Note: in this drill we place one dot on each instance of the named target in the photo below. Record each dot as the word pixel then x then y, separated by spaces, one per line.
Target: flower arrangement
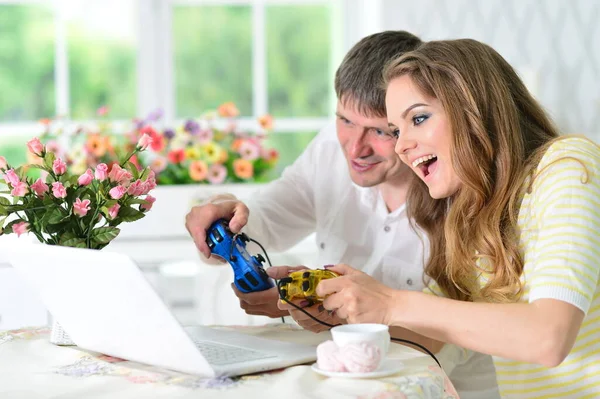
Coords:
pixel 207 150
pixel 201 152
pixel 80 209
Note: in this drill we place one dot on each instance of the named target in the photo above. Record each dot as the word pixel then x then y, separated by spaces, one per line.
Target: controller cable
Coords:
pixel 280 282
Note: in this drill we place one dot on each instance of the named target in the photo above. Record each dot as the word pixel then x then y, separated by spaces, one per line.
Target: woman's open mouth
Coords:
pixel 426 164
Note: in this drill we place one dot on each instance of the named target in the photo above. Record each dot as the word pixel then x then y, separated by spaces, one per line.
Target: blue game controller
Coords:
pixel 249 274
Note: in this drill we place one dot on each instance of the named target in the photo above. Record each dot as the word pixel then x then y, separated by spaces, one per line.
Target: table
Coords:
pixel 32 368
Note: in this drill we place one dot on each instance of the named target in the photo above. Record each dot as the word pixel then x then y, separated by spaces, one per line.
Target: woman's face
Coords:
pixel 424 135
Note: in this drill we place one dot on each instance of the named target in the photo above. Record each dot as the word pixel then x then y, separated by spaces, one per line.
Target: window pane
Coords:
pixel 26 63
pixel 213 58
pixel 290 146
pixel 298 57
pixel 14 149
pixel 102 58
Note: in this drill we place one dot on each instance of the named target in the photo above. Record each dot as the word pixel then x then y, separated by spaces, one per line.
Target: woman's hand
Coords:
pixel 357 297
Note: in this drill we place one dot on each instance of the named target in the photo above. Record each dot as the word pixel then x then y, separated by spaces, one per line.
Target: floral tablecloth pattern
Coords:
pixel 32 368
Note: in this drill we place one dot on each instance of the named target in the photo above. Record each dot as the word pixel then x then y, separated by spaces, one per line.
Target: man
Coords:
pixel 350 190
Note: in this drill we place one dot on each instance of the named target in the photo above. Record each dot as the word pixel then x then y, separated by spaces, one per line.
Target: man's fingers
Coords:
pixel 240 217
pixel 266 297
pixel 279 272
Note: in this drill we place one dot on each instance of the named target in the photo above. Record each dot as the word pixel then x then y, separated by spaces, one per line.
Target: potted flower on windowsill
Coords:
pixel 74 210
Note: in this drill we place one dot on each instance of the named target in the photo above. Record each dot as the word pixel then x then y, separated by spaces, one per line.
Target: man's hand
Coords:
pixel 201 217
pixel 264 303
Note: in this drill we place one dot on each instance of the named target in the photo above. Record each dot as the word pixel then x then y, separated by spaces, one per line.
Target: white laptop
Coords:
pixel 105 304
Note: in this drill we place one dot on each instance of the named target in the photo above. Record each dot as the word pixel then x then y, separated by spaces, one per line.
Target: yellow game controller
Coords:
pixel 302 284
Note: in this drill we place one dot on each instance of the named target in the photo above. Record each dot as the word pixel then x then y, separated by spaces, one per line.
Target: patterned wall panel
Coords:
pixel 554 44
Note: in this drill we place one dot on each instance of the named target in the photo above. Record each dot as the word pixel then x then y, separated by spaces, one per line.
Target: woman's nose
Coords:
pixel 404 144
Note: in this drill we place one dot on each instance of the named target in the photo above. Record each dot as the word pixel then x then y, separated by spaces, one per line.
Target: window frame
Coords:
pixel 155 60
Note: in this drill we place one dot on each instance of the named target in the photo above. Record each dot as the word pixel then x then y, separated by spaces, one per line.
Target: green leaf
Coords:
pixel 56 215
pixel 4 201
pixel 133 169
pixel 69 239
pixel 49 159
pixel 35 166
pixel 104 235
pixel 128 214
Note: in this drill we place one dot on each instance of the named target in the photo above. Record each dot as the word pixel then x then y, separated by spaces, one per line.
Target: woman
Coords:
pixel 512 212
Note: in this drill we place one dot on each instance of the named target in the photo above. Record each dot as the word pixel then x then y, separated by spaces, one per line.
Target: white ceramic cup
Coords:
pixel 376 334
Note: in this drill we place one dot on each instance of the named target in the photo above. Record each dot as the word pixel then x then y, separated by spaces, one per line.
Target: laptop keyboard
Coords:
pixel 220 354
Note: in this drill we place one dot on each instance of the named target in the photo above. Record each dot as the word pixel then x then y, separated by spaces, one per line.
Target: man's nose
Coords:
pixel 359 146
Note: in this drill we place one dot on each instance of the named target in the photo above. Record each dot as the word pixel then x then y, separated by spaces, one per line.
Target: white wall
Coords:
pixel 554 44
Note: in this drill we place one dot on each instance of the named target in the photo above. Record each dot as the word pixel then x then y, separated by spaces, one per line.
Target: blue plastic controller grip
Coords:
pixel 249 274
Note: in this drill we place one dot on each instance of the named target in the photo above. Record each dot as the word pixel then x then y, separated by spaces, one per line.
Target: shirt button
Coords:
pixel 409 281
pixel 387 229
pixel 322 245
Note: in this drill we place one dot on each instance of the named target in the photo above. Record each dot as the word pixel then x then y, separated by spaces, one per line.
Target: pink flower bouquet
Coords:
pixel 74 209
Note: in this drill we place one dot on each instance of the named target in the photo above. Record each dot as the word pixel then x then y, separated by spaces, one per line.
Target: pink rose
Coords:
pixel 86 178
pixel 81 208
pixel 144 142
pixel 39 187
pixel 19 189
pixel 59 190
pixel 119 175
pixel 113 211
pixel 59 167
pixel 3 163
pixel 149 201
pixel 101 172
pixel 35 146
pixel 11 177
pixel 117 192
pixel 136 188
pixel 20 228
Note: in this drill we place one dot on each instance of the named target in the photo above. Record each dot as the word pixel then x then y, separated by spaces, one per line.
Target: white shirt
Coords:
pixel 352 223
pixel 353 226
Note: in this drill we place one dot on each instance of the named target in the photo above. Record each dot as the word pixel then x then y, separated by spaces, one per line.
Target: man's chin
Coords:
pixel 364 181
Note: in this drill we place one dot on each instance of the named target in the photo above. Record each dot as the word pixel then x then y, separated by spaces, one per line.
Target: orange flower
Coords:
pixel 45 121
pixel 266 122
pixel 228 110
pixel 223 156
pixel 243 168
pixel 235 146
pixel 97 144
pixel 198 170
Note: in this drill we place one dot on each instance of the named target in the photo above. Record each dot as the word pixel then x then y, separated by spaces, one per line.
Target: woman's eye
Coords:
pixel 418 119
pixel 396 133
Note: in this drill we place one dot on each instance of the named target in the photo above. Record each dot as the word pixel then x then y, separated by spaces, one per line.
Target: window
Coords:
pixel 69 58
pixel 27 86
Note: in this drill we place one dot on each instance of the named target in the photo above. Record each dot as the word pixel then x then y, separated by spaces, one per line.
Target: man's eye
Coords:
pixel 418 119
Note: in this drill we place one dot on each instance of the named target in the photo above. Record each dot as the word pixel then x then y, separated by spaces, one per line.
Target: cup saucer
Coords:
pixel 387 367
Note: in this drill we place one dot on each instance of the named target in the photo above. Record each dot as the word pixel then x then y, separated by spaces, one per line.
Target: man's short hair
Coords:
pixel 358 79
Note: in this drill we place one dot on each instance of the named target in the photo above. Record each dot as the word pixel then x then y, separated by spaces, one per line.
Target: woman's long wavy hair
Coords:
pixel 499 134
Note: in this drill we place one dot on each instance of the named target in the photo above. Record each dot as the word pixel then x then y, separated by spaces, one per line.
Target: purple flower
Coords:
pixel 191 126
pixel 154 115
pixel 169 134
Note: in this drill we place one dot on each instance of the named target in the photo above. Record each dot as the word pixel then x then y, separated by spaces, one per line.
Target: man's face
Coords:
pixel 368 145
